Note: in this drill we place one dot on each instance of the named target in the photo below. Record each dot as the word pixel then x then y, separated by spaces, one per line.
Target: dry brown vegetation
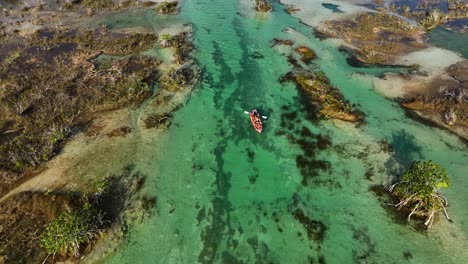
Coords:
pixel 442 105
pixel 431 13
pixel 377 38
pixel 50 87
pixel 448 110
pixel 54 83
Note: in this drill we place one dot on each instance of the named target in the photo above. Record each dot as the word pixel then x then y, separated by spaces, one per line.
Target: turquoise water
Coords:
pixel 226 194
pixel 448 39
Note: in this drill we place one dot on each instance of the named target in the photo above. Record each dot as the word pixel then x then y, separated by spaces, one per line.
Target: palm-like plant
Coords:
pixel 418 190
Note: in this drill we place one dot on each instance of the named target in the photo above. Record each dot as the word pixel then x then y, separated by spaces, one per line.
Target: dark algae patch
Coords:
pixel 309 143
pixel 315 229
pixel 366 249
pixel 332 7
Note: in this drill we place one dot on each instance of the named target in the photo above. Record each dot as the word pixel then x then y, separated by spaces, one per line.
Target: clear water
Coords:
pixel 227 194
pixel 451 40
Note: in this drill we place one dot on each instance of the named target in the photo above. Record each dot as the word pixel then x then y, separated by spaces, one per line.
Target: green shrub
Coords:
pixel 68 231
pixel 418 190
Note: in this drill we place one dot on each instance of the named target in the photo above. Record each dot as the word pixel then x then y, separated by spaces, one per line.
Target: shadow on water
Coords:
pixel 405 149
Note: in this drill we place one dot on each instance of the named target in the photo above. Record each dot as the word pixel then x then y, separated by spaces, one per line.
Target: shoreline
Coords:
pixel 107 133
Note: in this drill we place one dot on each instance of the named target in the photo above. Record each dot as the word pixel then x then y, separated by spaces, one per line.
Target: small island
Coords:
pixel 417 190
pixel 263 6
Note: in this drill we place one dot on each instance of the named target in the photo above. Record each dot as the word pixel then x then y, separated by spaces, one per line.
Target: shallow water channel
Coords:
pixel 298 192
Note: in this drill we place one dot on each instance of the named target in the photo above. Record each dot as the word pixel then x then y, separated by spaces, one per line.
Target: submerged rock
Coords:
pixel 328 99
pixel 306 53
pixel 291 9
pixel 277 41
pixel 120 132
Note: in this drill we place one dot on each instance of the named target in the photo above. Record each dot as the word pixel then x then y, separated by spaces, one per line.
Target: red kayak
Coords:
pixel 256 120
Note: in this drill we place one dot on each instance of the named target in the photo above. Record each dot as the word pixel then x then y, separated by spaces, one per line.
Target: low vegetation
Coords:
pixel 53 88
pixel 376 38
pixel 445 102
pixel 165 40
pixel 69 230
pixel 97 4
pixel 432 13
pixel 63 226
pixel 167 7
pixel 263 6
pixel 418 191
pixel 176 79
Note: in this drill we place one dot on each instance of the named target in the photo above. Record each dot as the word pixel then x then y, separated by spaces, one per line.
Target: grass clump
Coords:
pixel 69 230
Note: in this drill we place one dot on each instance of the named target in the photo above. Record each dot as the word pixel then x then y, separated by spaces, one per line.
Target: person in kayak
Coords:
pixel 256 121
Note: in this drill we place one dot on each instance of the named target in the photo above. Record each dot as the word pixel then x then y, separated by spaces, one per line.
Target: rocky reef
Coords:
pixel 432 13
pixel 291 9
pixel 375 38
pixel 306 53
pixel 383 38
pixel 444 106
pixel 325 99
